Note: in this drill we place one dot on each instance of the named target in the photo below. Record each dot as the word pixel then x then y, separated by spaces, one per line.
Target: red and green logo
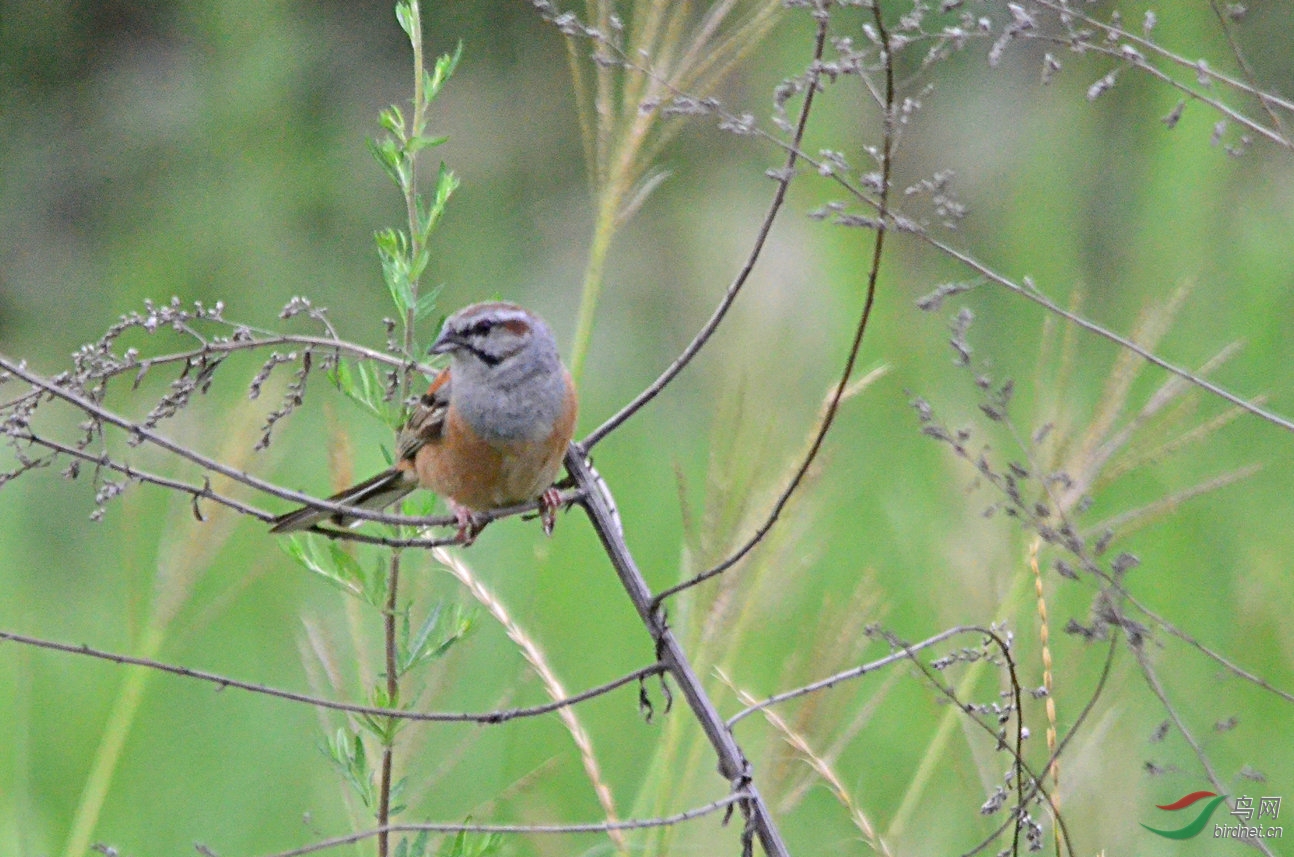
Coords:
pixel 1195 826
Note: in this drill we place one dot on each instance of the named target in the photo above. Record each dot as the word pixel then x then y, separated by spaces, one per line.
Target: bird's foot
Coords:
pixel 549 502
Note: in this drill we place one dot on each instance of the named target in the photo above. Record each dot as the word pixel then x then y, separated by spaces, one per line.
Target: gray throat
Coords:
pixel 511 401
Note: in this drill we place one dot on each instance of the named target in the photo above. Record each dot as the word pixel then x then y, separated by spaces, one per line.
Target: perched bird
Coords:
pixel 490 432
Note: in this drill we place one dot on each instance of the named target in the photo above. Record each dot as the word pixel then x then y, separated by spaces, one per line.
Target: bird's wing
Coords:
pixel 426 423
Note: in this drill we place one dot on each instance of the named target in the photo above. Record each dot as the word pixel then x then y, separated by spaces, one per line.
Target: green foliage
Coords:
pixel 332 563
pixel 432 640
pixel 346 751
pixel 416 847
pixel 405 255
pixel 365 387
pixel 463 844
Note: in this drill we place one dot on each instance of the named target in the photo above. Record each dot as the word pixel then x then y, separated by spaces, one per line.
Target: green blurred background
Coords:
pixel 216 151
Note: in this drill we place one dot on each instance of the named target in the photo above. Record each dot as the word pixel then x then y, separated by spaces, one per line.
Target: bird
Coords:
pixel 490 431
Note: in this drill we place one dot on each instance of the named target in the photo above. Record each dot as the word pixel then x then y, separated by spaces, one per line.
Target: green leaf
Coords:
pixel 347 753
pixel 443 70
pixel 390 155
pixel 363 386
pixel 446 183
pixel 419 264
pixel 347 566
pixel 404 15
pixel 397 792
pixel 390 242
pixel 374 584
pixel 306 553
pixel 427 303
pixel 392 119
pixel 456 846
pixel 417 144
pixel 383 729
pixel 392 250
pixel 460 846
pixel 421 504
pixel 339 568
pixel 415 649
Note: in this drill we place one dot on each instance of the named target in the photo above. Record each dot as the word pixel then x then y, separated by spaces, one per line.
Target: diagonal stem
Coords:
pixel 732 761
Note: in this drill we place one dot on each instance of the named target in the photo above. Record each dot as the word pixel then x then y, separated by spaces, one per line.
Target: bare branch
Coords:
pixel 1032 294
pixel 732 761
pixel 524 829
pixel 135 430
pixel 846 675
pixel 1157 688
pixel 829 415
pixel 489 717
pixel 784 178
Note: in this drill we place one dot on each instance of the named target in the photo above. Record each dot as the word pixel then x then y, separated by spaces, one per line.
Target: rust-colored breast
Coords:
pixel 482 475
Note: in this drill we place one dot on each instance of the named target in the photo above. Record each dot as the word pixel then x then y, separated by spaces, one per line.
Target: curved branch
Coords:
pixel 1022 767
pixel 784 177
pixel 869 300
pixel 489 717
pixel 522 829
pixel 1266 100
pixel 1036 786
pixel 95 410
pixel 269 340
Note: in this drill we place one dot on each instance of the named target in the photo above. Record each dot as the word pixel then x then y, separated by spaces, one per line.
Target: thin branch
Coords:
pixel 873 273
pixel 1251 79
pixel 1036 785
pixel 1046 303
pixel 785 175
pixel 1152 681
pixel 1230 666
pixel 1017 754
pixel 94 409
pixel 733 765
pixel 900 224
pixel 1266 99
pixel 270 340
pixel 204 492
pixel 524 829
pixel 392 696
pixel 847 675
pixel 486 718
pixel 99 412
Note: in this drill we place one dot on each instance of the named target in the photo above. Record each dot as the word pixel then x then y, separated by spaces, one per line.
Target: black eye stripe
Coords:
pixel 487 359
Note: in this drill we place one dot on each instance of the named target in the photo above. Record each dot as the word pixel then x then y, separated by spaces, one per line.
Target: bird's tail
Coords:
pixel 373 494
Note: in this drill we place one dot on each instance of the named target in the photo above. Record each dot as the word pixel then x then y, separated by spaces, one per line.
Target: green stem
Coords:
pixel 591 290
pixel 392 700
pixel 416 124
pixel 111 744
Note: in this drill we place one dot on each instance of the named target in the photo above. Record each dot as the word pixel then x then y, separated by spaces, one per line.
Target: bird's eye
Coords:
pixel 480 328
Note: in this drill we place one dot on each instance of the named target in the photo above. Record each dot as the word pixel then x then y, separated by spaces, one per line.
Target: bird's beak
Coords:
pixel 444 343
